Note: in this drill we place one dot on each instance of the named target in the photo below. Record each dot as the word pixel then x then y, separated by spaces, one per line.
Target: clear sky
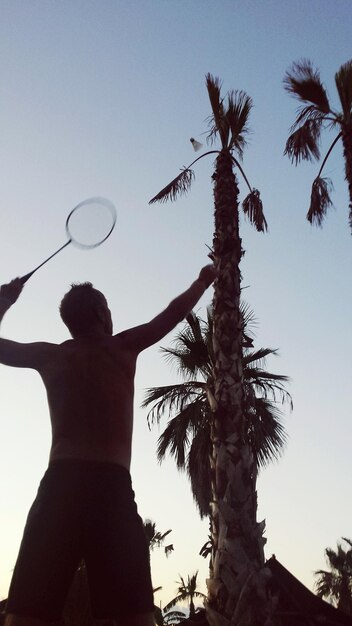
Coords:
pixel 100 98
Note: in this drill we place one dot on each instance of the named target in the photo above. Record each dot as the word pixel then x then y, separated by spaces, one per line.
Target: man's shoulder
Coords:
pixel 84 344
pixel 128 338
pixel 122 334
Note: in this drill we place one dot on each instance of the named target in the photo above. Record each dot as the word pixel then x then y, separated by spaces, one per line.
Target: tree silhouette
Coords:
pixel 315 114
pixel 188 404
pixel 186 592
pixel 336 584
pixel 155 538
pixel 238 579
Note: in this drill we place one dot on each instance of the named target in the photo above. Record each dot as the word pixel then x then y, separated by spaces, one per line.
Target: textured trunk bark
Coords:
pixel 347 153
pixel 237 583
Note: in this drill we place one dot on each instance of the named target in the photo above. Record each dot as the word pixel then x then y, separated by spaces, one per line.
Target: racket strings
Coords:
pixel 91 222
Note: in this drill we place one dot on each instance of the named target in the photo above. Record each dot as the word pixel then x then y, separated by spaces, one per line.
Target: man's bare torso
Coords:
pixel 90 388
pixel 90 379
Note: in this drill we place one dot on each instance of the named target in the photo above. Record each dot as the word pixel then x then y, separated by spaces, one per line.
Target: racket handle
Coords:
pixel 27 276
pixel 24 279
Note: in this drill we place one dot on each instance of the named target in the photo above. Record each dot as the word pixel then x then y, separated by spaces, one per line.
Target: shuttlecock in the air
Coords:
pixel 196 144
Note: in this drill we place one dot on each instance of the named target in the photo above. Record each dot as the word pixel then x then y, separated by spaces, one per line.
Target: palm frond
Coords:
pixel 341 559
pixel 149 529
pixel 199 594
pixel 308 114
pixel 303 82
pixel 176 600
pixel 168 549
pixel 349 542
pixel 258 356
pixel 178 186
pixel 156 539
pixel 173 617
pixel 175 439
pixel 239 105
pixel 336 584
pixel 325 584
pixel 194 322
pixel 214 85
pixel 174 442
pixel 320 200
pixel 303 143
pixel 257 376
pixel 190 360
pixel 261 383
pixel 343 80
pixel 198 467
pixel 170 398
pixel 253 209
pixel 266 432
pixel 190 352
pixel 217 121
pixel 206 548
pixel 268 390
pixel 248 320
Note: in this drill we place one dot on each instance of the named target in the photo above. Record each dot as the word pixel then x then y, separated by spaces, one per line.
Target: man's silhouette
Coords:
pixel 85 506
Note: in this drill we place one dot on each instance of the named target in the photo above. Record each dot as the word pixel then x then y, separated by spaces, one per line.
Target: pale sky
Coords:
pixel 101 98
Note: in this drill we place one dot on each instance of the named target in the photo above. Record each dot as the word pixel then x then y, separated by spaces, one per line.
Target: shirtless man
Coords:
pixel 85 505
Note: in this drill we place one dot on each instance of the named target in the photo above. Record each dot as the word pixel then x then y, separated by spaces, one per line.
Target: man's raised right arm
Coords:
pixel 14 353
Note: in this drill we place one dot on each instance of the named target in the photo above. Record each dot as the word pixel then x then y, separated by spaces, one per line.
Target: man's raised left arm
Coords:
pixel 146 335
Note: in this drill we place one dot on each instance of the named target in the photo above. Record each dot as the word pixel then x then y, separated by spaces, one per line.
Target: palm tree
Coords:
pixel 237 583
pixel 315 114
pixel 336 584
pixel 186 592
pixel 169 618
pixel 187 434
pixel 155 538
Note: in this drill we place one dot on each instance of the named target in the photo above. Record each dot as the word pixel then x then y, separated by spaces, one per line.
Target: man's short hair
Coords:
pixel 79 308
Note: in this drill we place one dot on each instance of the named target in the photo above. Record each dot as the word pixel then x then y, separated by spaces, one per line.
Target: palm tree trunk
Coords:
pixel 236 587
pixel 347 153
pixel 192 609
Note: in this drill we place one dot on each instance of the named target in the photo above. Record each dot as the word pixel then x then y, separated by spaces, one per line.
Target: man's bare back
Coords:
pixel 90 388
pixel 89 381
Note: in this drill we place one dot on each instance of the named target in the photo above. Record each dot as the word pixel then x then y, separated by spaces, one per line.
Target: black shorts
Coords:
pixel 83 510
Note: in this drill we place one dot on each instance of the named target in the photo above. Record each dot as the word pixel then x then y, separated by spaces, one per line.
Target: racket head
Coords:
pixel 91 222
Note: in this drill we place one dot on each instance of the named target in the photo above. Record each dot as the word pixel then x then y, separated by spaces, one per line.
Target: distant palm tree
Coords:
pixel 315 114
pixel 336 584
pixel 169 618
pixel 155 538
pixel 187 434
pixel 186 592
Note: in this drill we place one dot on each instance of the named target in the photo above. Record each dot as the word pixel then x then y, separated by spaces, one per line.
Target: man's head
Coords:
pixel 84 310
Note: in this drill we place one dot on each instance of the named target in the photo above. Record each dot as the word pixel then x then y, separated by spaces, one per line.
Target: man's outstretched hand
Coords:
pixel 207 274
pixel 11 290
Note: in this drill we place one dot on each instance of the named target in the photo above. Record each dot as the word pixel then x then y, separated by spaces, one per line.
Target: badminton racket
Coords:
pixel 88 225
